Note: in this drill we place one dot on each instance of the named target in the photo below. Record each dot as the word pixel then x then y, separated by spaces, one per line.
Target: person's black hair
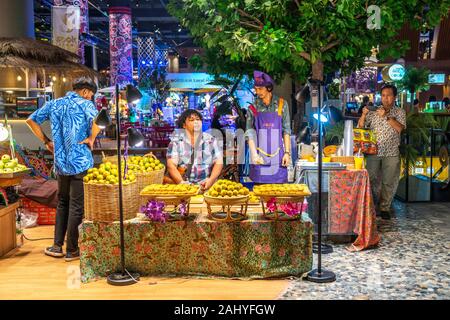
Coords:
pixel 269 87
pixel 416 101
pixel 390 86
pixel 84 83
pixel 446 101
pixel 432 99
pixel 186 114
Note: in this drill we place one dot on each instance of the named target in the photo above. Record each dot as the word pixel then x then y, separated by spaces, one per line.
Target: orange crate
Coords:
pixel 46 214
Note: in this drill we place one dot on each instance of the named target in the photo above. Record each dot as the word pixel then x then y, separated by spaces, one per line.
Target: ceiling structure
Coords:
pixel 150 17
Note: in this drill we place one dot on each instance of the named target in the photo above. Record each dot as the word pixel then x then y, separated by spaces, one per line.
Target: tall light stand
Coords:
pixel 320 275
pixel 123 277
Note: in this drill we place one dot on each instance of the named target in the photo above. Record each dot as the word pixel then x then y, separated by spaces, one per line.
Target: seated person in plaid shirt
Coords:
pixel 207 158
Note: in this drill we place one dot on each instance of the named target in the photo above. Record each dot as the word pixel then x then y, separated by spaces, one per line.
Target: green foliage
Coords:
pixel 156 85
pixel 418 129
pixel 298 37
pixel 333 90
pixel 335 134
pixel 415 79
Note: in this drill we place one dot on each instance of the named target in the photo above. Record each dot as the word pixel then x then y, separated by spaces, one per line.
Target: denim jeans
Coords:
pixel 70 210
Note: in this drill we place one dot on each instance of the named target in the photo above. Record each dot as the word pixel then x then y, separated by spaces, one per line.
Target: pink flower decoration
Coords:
pixel 272 205
pixel 266 248
pixel 258 248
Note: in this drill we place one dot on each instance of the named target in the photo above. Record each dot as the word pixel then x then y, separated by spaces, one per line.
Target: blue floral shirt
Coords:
pixel 71 122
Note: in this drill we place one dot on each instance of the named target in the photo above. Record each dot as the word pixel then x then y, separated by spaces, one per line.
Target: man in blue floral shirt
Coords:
pixel 207 158
pixel 74 132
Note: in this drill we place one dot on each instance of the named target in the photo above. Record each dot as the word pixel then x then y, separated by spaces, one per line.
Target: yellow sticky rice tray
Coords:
pixel 282 190
pixel 170 190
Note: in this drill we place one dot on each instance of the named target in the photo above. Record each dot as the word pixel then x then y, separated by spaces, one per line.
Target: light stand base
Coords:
pixel 119 279
pixel 322 277
pixel 326 248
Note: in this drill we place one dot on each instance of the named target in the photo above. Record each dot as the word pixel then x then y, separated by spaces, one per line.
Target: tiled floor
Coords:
pixel 412 261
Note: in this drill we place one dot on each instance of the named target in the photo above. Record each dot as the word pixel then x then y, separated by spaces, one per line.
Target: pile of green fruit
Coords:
pixel 226 188
pixel 144 164
pixel 108 173
pixel 8 165
pixel 139 164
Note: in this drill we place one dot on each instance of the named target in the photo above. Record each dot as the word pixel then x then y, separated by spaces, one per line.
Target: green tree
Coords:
pixel 415 79
pixel 300 37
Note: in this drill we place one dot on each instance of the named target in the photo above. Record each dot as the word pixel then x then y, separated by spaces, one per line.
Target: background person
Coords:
pixel 74 132
pixel 388 122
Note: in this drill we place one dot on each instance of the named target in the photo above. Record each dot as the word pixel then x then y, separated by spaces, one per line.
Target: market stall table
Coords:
pixel 254 248
pixel 350 205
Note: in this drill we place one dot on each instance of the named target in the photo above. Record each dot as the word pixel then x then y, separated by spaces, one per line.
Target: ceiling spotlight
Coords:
pixel 19 78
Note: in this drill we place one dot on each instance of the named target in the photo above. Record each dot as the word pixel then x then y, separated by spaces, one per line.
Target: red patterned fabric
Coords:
pixel 352 208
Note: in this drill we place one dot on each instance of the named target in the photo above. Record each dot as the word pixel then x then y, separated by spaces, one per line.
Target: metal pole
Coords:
pixel 27 84
pixel 319 224
pixel 119 165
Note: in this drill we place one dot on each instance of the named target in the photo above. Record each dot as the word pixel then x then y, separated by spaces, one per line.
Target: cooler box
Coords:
pixel 46 215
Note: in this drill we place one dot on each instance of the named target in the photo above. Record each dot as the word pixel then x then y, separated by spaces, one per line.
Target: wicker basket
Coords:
pixel 152 177
pixel 279 215
pixel 344 160
pixel 226 204
pixel 101 202
pixel 171 203
pixel 146 178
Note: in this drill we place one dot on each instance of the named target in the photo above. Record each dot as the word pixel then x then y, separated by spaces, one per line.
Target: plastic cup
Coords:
pixel 359 163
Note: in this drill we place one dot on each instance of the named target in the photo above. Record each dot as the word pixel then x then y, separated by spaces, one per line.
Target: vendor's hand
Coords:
pixel 257 159
pixel 184 182
pixel 50 146
pixel 381 112
pixel 286 160
pixel 89 142
pixel 365 111
pixel 206 184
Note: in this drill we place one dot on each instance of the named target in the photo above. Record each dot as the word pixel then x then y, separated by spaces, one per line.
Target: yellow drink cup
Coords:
pixel 359 163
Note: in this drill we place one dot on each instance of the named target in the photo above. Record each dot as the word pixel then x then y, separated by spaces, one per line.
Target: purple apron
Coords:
pixel 270 147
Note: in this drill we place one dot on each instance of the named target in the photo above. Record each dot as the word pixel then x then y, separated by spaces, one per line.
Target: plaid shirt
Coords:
pixel 206 154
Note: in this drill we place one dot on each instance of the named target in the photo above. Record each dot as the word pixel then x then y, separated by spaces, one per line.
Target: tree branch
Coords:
pixel 245 14
pixel 297 3
pixel 330 45
pixel 259 28
pixel 305 56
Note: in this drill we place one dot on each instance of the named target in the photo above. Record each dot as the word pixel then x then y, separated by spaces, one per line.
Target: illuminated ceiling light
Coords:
pixel 19 78
pixel 64 79
pixel 54 78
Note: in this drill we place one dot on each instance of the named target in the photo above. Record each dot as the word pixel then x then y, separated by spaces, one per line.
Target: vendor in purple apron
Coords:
pixel 268 132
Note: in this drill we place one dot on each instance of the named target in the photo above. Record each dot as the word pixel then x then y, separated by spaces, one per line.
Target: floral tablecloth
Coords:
pixel 254 248
pixel 351 207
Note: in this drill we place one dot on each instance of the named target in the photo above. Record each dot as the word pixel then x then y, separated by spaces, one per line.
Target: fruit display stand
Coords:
pixel 226 214
pixel 274 200
pixel 172 196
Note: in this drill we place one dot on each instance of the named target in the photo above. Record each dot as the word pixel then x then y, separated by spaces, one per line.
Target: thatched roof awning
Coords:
pixel 39 55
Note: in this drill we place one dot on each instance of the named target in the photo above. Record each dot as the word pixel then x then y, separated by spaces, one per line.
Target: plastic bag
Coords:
pixel 27 219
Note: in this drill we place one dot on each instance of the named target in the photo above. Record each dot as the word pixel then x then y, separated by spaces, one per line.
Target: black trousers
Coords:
pixel 70 210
